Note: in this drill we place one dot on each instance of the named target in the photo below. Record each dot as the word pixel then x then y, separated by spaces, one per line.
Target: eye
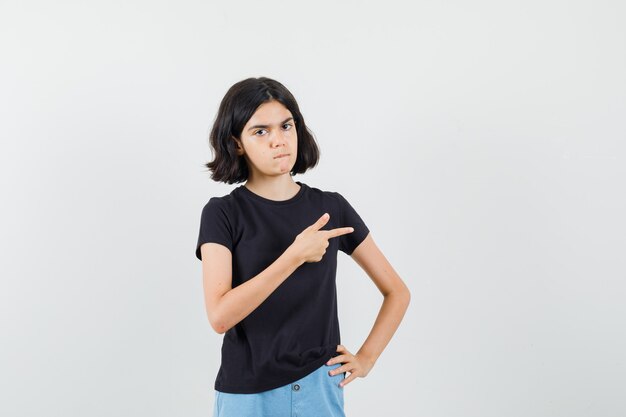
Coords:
pixel 260 130
pixel 288 124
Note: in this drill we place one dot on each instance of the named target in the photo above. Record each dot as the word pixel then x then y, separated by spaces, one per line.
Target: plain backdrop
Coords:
pixel 482 143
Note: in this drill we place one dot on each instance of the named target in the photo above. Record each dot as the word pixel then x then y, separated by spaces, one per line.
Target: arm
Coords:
pixel 227 306
pixel 396 298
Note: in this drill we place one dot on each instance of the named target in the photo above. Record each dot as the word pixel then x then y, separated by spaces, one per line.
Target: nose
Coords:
pixel 279 138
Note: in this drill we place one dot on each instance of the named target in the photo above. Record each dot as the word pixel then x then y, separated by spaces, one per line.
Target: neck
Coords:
pixel 281 187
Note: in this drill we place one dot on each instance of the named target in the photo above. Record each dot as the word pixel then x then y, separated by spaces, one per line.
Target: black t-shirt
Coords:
pixel 296 329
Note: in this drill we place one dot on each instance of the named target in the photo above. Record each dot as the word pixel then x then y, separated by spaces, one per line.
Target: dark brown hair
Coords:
pixel 236 108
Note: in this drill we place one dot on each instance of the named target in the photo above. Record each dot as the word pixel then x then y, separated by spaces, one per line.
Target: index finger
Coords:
pixel 338 231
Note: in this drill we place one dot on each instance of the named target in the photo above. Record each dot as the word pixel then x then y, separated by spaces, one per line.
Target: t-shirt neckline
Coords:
pixel 257 197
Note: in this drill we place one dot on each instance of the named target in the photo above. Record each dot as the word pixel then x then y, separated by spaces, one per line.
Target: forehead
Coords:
pixel 271 112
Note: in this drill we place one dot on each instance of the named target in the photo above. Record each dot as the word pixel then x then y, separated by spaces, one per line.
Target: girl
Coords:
pixel 269 257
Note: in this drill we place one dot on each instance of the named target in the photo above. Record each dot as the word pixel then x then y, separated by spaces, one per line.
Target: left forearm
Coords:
pixel 389 317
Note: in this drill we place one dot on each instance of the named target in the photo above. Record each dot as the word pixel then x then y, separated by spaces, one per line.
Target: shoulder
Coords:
pixel 220 200
pixel 326 194
pixel 219 204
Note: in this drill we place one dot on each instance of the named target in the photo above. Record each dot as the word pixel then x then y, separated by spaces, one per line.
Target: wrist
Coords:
pixel 293 257
pixel 369 359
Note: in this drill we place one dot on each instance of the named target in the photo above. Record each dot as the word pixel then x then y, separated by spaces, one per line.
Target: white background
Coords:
pixel 482 143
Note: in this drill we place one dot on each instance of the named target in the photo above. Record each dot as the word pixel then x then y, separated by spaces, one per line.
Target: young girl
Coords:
pixel 269 257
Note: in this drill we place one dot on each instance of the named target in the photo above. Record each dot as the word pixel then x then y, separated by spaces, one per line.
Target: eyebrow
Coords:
pixel 266 126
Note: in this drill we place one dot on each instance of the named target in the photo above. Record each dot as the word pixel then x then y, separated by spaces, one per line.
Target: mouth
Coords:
pixel 281 155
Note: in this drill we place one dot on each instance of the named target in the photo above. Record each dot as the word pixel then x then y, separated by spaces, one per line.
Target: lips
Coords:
pixel 281 155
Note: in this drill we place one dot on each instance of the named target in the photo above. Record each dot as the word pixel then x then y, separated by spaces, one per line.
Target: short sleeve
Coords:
pixel 350 218
pixel 214 226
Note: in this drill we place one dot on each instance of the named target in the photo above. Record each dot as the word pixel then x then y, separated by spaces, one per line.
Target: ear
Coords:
pixel 238 146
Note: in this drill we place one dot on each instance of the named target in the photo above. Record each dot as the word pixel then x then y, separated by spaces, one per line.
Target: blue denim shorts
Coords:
pixel 318 394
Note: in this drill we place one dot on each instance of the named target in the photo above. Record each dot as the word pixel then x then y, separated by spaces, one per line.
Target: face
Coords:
pixel 270 132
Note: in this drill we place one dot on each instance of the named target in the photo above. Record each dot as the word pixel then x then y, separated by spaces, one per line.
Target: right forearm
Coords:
pixel 242 300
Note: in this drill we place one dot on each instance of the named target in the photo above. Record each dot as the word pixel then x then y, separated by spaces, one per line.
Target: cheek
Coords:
pixel 266 157
pixel 257 152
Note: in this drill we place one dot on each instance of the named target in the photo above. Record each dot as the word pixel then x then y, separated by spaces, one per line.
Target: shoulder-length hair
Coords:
pixel 236 108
